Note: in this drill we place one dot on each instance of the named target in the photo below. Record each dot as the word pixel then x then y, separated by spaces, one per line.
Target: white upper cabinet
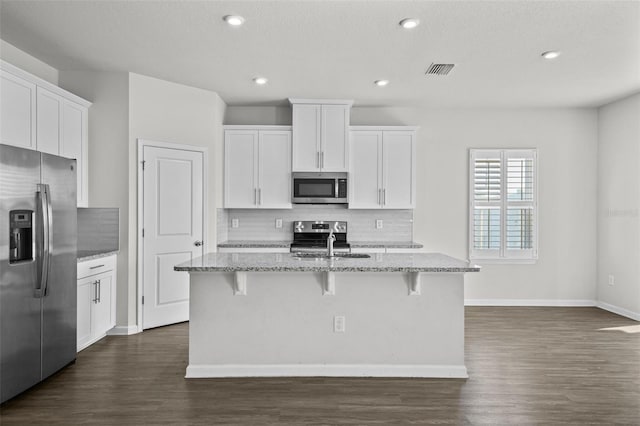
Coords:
pixel 257 167
pixel 38 115
pixel 335 138
pixel 306 137
pixel 274 169
pixel 365 177
pixel 74 144
pixel 49 121
pixel 17 111
pixel 398 169
pixel 382 173
pixel 320 135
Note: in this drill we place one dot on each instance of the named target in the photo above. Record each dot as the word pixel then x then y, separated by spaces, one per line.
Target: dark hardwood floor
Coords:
pixel 526 366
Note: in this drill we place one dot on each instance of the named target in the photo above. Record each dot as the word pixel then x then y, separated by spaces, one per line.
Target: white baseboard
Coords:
pixel 326 370
pixel 123 330
pixel 618 310
pixel 529 302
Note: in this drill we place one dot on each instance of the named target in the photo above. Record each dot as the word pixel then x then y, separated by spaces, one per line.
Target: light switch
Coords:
pixel 235 223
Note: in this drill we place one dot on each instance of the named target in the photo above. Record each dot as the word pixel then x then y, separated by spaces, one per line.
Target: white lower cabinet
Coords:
pixel 96 300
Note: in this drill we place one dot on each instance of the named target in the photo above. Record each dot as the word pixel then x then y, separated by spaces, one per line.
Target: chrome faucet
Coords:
pixel 330 239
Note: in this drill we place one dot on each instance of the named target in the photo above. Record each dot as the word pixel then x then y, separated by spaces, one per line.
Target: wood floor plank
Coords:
pixel 526 366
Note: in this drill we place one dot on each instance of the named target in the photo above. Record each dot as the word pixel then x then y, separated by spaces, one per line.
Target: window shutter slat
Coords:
pixel 486 228
pixel 520 179
pixel 519 227
pixel 486 179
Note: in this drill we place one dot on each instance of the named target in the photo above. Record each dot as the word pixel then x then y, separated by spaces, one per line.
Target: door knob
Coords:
pixel 198 243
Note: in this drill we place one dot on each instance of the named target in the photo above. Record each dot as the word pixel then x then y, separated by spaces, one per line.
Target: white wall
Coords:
pixel 619 206
pixel 169 112
pixel 126 107
pixel 268 115
pixel 567 158
pixel 108 153
pixel 28 63
pixel 566 140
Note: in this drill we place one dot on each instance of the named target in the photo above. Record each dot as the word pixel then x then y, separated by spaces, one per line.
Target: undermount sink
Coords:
pixel 335 256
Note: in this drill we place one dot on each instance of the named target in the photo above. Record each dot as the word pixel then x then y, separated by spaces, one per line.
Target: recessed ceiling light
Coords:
pixel 234 20
pixel 381 83
pixel 551 54
pixel 409 23
pixel 260 81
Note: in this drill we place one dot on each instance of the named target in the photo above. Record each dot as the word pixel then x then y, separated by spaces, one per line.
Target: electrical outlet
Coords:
pixel 339 324
pixel 235 223
pixel 278 223
pixel 378 223
pixel 612 280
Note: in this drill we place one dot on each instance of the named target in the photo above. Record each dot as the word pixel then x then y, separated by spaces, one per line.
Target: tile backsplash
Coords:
pixel 98 229
pixel 260 224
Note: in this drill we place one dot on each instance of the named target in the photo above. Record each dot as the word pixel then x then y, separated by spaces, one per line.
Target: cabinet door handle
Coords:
pixel 96 267
pixel 260 196
pixel 379 196
pixel 255 196
pixel 99 291
pixel 318 159
pixel 95 291
pixel 384 197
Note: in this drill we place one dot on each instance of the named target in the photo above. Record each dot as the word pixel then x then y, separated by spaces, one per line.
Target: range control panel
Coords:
pixel 322 227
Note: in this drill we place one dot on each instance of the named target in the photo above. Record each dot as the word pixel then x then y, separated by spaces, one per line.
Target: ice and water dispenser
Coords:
pixel 21 235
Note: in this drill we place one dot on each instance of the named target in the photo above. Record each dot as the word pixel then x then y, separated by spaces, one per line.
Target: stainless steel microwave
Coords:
pixel 319 188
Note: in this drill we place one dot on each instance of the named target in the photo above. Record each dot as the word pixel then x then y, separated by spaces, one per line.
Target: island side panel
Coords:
pixel 284 325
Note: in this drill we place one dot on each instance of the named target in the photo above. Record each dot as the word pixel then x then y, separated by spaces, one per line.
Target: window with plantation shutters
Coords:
pixel 503 205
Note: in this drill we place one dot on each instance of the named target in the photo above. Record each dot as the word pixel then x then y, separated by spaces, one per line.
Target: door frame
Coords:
pixel 142 143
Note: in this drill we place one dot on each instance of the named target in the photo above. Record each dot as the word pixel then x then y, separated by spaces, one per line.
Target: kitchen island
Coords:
pixel 277 314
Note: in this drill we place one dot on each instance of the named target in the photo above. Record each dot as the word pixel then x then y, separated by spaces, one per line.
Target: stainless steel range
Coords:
pixel 314 236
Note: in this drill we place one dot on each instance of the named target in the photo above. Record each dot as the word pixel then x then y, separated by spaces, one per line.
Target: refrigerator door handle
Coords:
pixel 45 251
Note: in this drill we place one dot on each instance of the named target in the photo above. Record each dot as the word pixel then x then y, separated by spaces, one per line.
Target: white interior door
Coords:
pixel 173 230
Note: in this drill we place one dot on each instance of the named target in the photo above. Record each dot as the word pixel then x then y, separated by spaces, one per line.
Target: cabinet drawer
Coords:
pixel 96 266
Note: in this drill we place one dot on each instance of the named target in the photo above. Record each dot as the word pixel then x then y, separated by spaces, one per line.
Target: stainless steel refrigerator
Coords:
pixel 38 250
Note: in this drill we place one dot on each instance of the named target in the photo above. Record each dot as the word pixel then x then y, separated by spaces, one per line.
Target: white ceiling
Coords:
pixel 336 49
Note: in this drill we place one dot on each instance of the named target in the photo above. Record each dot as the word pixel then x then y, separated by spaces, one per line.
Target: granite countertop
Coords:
pixel 287 243
pixel 385 244
pixel 286 262
pixel 84 255
pixel 254 244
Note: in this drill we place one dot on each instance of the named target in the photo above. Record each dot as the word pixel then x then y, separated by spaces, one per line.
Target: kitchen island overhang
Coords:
pixel 270 314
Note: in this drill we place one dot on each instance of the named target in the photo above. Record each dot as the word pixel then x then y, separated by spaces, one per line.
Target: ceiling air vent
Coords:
pixel 439 69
